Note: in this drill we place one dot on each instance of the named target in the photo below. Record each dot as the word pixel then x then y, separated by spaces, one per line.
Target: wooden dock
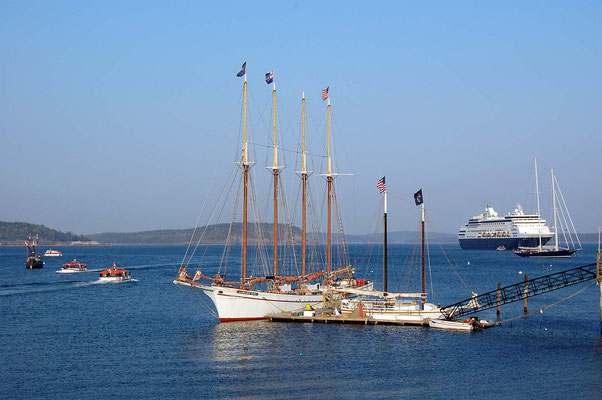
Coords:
pixel 324 318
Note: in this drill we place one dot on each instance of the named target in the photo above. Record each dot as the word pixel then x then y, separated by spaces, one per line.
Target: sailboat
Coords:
pixel 564 224
pixel 408 308
pixel 34 260
pixel 253 298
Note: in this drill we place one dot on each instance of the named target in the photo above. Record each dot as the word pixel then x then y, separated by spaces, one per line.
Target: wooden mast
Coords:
pixel 385 280
pixel 422 260
pixel 304 201
pixel 329 180
pixel 275 171
pixel 245 164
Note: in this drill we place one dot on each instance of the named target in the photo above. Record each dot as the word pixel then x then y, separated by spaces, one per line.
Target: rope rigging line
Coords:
pixel 411 258
pixel 198 297
pixel 451 264
pixel 213 211
pixel 198 219
pixel 569 215
pixel 428 257
pixel 226 252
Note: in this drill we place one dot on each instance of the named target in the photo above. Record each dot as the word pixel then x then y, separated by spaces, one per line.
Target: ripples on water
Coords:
pixel 66 337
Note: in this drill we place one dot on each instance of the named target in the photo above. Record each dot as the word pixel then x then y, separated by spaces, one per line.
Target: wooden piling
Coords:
pixel 526 290
pixel 499 299
pixel 599 277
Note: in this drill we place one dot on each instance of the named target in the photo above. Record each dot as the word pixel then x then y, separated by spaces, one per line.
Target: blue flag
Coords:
pixel 269 77
pixel 243 70
pixel 418 197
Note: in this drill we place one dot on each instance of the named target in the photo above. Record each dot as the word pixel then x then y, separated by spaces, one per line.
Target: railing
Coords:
pixel 519 291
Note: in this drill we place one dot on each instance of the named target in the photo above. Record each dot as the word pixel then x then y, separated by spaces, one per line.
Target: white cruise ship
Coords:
pixel 491 231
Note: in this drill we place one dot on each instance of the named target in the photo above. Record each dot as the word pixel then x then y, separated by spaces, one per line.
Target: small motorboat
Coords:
pixel 52 253
pixel 470 324
pixel 115 274
pixel 73 267
pixel 501 248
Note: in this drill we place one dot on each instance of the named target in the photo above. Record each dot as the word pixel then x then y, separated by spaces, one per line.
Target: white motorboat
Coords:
pixel 52 253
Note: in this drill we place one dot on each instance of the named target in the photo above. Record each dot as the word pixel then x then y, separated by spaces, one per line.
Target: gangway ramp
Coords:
pixel 519 291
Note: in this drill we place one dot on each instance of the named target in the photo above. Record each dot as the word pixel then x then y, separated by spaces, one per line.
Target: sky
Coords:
pixel 121 116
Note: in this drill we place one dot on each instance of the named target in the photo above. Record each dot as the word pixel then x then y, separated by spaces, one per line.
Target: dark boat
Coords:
pixel 33 261
pixel 546 252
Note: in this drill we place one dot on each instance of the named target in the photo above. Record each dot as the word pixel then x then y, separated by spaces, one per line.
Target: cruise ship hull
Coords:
pixel 508 243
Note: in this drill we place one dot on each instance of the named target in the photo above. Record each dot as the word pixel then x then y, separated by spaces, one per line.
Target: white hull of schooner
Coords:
pixel 235 304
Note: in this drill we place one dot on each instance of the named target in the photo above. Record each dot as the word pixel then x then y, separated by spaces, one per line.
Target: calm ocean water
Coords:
pixel 66 337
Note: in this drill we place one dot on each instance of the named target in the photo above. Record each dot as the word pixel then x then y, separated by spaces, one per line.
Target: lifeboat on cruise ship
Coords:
pixel 73 267
pixel 115 274
pixel 52 253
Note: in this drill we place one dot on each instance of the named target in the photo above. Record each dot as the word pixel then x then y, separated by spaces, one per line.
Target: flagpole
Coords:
pixel 423 263
pixel 385 285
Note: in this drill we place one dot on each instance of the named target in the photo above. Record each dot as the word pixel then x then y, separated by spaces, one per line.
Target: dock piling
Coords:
pixel 526 291
pixel 599 275
pixel 499 299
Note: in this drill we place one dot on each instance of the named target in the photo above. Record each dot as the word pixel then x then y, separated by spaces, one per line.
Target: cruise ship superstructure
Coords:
pixel 490 231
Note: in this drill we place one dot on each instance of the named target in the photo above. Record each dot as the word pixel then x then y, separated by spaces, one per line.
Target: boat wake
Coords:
pixel 99 282
pixel 41 287
pixel 146 266
pixel 38 287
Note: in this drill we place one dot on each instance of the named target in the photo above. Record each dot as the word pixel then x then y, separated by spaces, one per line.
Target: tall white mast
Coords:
pixel 538 210
pixel 554 205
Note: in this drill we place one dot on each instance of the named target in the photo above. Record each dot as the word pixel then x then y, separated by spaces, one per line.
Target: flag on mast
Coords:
pixel 381 185
pixel 325 93
pixel 418 197
pixel 242 71
pixel 269 77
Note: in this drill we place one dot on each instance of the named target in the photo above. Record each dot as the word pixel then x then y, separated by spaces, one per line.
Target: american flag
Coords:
pixel 325 93
pixel 380 185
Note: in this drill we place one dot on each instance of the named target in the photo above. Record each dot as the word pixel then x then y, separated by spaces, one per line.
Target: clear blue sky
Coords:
pixel 115 115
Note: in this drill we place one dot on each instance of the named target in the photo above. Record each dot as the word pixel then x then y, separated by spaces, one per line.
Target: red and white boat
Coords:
pixel 115 274
pixel 470 324
pixel 52 253
pixel 73 267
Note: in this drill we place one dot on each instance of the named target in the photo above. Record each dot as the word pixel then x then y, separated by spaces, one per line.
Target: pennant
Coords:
pixel 243 70
pixel 269 77
pixel 418 197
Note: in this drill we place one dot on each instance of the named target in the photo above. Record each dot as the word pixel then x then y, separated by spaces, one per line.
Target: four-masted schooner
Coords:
pixel 241 300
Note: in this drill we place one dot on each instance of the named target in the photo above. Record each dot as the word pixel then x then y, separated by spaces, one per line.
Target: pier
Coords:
pixel 330 318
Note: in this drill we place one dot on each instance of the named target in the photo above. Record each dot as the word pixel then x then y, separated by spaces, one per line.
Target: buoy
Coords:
pixel 520 272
